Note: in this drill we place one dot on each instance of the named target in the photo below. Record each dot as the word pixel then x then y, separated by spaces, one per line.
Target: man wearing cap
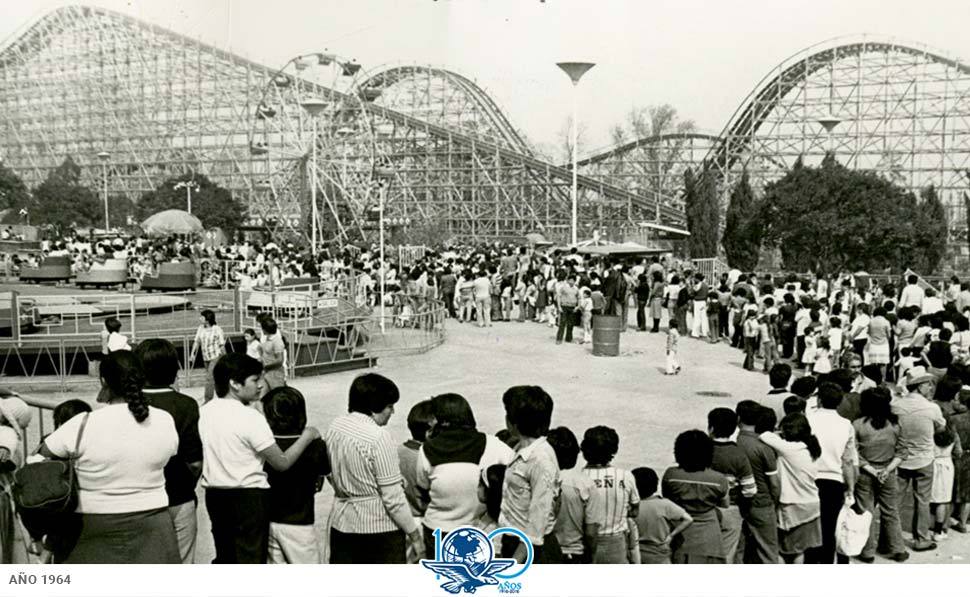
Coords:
pixel 919 419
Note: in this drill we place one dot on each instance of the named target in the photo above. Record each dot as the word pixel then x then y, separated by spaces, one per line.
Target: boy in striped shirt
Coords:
pixel 732 462
pixel 619 500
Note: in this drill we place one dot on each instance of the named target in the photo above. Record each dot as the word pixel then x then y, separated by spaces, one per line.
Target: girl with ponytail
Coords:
pixel 799 514
pixel 122 380
pixel 120 453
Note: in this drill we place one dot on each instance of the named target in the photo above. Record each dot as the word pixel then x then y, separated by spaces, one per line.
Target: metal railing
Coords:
pixel 711 267
pixel 320 333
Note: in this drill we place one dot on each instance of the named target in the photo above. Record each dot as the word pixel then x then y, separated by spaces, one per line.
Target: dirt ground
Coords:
pixel 629 393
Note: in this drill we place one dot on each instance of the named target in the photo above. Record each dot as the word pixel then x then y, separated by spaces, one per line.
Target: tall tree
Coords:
pixel 13 191
pixel 704 215
pixel 61 201
pixel 931 230
pixel 689 197
pixel 212 204
pixel 742 234
pixel 837 219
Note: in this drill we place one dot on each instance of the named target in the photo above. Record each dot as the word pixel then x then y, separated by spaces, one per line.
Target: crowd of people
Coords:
pixel 867 409
pixel 764 482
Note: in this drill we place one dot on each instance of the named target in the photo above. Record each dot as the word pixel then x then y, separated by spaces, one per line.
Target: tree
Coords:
pixel 13 191
pixel 835 219
pixel 704 217
pixel 690 197
pixel 61 201
pixel 565 149
pixel 212 204
pixel 931 230
pixel 742 230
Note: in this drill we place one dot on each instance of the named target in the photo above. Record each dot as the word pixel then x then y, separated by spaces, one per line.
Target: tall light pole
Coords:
pixel 575 71
pixel 829 122
pixel 189 186
pixel 383 176
pixel 313 106
pixel 103 156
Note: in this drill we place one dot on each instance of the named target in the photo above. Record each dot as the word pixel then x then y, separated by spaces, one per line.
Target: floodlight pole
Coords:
pixel 382 194
pixel 575 71
pixel 103 156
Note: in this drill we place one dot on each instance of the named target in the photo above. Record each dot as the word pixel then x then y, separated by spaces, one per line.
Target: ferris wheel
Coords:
pixel 315 151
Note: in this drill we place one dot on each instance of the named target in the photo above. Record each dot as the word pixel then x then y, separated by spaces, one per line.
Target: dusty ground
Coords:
pixel 629 392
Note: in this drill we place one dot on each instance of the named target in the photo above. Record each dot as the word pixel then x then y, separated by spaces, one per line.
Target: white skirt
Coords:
pixel 877 354
pixel 942 492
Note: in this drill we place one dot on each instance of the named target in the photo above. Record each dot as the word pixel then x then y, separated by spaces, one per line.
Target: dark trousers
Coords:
pixel 642 314
pixel 449 299
pixel 368 548
pixel 859 347
pixel 750 348
pixel 921 480
pixel 760 535
pixel 548 553
pixel 723 330
pixel 831 497
pixel 567 319
pixel 429 541
pixel 799 350
pixel 240 524
pixel 788 342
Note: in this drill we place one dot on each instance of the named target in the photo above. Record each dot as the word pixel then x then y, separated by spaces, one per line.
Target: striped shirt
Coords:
pixel 366 478
pixel 618 494
pixel 733 463
pixel 211 341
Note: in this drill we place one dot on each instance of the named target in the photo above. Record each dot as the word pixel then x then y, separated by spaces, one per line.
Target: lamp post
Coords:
pixel 189 186
pixel 103 156
pixel 829 122
pixel 383 176
pixel 313 106
pixel 575 71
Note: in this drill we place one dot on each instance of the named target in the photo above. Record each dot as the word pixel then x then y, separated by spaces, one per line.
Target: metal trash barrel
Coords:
pixel 606 335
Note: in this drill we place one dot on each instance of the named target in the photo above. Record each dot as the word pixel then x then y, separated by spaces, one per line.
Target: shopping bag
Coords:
pixel 852 531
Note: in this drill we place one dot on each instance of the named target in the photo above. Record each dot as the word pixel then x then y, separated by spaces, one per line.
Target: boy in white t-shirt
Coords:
pixel 236 442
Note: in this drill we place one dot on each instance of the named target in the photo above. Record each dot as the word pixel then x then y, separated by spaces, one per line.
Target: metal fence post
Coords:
pixel 237 310
pixel 15 316
pixel 131 299
pixel 62 364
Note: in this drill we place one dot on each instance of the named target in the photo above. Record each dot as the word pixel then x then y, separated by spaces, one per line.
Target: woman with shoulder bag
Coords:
pixel 120 462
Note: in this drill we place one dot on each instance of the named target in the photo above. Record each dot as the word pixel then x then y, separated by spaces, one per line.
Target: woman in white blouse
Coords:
pixel 120 459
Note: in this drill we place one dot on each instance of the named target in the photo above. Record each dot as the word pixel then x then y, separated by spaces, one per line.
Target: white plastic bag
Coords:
pixel 852 531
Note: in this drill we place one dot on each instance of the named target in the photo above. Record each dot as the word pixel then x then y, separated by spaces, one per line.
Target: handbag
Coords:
pixel 49 488
pixel 852 530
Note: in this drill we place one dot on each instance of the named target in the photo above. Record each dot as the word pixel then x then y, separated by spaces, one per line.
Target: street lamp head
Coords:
pixel 575 70
pixel 829 122
pixel 314 105
pixel 103 156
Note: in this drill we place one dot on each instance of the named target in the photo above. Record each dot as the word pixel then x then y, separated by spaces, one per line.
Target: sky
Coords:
pixel 703 57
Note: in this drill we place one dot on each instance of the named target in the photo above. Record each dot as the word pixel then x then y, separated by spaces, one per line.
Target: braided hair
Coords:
pixel 121 373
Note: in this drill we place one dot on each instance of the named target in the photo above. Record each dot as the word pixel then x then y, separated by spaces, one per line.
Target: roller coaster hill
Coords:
pixel 314 146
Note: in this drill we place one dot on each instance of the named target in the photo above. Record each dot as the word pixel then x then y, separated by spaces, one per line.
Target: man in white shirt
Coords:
pixel 837 469
pixel 912 294
pixel 236 441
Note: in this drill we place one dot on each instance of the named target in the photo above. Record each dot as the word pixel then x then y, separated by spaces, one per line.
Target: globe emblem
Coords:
pixel 469 547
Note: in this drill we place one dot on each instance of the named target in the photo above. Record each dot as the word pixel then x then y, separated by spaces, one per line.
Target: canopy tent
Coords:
pixel 621 249
pixel 536 239
pixel 172 221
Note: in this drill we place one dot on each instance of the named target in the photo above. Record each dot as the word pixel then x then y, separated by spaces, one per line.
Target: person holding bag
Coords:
pixel 120 461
